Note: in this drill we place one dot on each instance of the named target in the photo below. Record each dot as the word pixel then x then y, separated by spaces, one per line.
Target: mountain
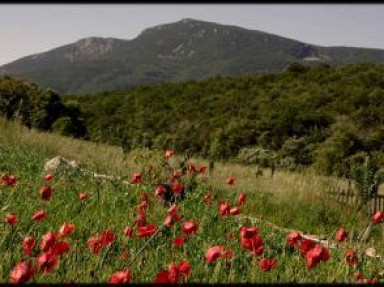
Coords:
pixel 183 50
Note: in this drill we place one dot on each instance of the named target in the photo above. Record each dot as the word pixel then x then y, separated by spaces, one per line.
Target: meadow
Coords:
pixel 221 232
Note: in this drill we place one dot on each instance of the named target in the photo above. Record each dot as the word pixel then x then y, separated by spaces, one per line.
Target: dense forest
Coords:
pixel 321 116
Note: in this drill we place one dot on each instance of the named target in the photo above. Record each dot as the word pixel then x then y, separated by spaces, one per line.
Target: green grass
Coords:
pixel 113 206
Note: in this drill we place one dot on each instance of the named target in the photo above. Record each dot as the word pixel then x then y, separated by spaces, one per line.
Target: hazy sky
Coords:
pixel 29 29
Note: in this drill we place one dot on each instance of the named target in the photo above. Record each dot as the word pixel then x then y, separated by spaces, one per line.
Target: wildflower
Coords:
pixel 60 248
pixel 306 245
pixel 267 264
pixel 128 232
pixel 177 188
pixel 47 262
pixel 358 275
pixel 315 255
pixel 142 206
pixel 169 153
pixel 144 196
pixel 203 169
pixel 293 239
pixel 22 272
pixel 224 208
pixel 177 174
pixel 162 277
pixel 341 235
pixel 248 232
pixel 9 180
pixel 141 220
pixel 107 237
pixel 11 219
pixel 160 190
pixel 351 258
pixel 241 198
pixel 215 252
pixel 254 244
pixel 47 241
pixel 46 192
pixel 179 241
pixel 83 196
pixel 39 215
pixel 231 180
pixel 185 268
pixel 94 244
pixel 189 227
pixel 172 216
pixel 378 217
pixel 234 211
pixel 145 231
pixel 48 177
pixel 207 198
pixel 66 229
pixel 28 244
pixel 120 277
pixel 191 168
pixel 136 178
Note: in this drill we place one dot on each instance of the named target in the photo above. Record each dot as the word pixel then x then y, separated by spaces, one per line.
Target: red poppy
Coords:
pixel 47 241
pixel 66 229
pixel 189 227
pixel 48 177
pixel 254 244
pixel 169 153
pixel 136 178
pixel 145 231
pixel 351 258
pixel 28 244
pixel 144 196
pixel 160 190
pixel 306 245
pixel 128 232
pixel 120 277
pixel 234 211
pixel 241 198
pixel 47 262
pixel 177 188
pixel 179 241
pixel 162 277
pixel 22 272
pixel 177 174
pixel 231 180
pixel 141 220
pixel 341 235
pixel 207 198
pixel 203 169
pixel 215 252
pixel 293 239
pixel 315 255
pixel 94 244
pixel 191 168
pixel 172 216
pixel 60 248
pixel 83 196
pixel 378 217
pixel 267 264
pixel 224 208
pixel 248 232
pixel 142 206
pixel 358 275
pixel 107 237
pixel 46 192
pixel 11 219
pixel 8 179
pixel 39 215
pixel 173 273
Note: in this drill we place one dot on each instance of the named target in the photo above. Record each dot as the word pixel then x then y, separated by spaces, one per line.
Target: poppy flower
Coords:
pixel 306 245
pixel 207 198
pixel 189 227
pixel 47 241
pixel 378 217
pixel 351 258
pixel 177 174
pixel 48 177
pixel 177 188
pixel 142 206
pixel 141 220
pixel 215 252
pixel 185 268
pixel 66 229
pixel 179 241
pixel 172 216
pixel 128 232
pixel 39 215
pixel 254 244
pixel 224 208
pixel 11 219
pixel 8 179
pixel 47 262
pixel 83 196
pixel 120 277
pixel 234 211
pixel 231 180
pixel 173 273
pixel 162 277
pixel 169 153
pixel 341 235
pixel 145 231
pixel 248 232
pixel 107 237
pixel 203 169
pixel 315 255
pixel 358 275
pixel 136 177
pixel 144 196
pixel 241 198
pixel 160 190
pixel 45 192
pixel 267 264
pixel 293 239
pixel 60 248
pixel 94 244
pixel 22 272
pixel 28 244
pixel 191 168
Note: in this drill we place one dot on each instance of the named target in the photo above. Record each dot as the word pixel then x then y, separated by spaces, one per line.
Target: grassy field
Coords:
pixel 289 200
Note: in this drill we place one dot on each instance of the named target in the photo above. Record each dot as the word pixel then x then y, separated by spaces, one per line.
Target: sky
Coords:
pixel 27 29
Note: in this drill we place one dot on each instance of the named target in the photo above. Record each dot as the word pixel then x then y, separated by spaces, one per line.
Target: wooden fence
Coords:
pixel 350 198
